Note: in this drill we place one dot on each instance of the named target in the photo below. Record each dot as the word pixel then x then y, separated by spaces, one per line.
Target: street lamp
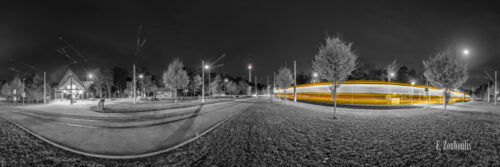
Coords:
pixel 208 68
pixel 411 97
pixel 315 76
pixel 203 81
pixel 466 52
pixel 89 77
pixel 250 73
pixel 142 84
pixel 391 75
pixel 225 85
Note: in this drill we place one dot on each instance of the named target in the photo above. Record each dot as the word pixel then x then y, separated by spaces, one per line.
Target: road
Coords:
pixel 125 138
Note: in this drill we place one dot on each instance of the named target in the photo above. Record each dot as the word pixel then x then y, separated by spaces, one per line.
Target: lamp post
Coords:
pixel 250 73
pixel 391 75
pixel 203 81
pixel 256 90
pixel 142 84
pixel 315 77
pixel 225 85
pixel 294 81
pixel 466 52
pixel 208 68
pixel 411 97
pixel 89 77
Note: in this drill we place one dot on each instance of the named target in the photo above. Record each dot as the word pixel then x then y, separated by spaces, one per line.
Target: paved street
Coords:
pixel 126 137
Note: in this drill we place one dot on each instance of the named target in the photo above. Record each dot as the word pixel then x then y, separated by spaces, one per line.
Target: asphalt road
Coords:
pixel 136 138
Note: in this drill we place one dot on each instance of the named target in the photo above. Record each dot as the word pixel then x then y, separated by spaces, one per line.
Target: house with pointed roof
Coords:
pixel 71 87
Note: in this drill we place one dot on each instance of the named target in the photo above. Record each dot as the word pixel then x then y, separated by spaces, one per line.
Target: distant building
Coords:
pixel 70 85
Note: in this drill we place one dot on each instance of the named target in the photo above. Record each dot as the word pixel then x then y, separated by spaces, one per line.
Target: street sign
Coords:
pixel 24 95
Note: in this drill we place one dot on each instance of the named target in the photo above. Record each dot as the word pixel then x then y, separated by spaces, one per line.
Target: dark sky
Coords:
pixel 268 34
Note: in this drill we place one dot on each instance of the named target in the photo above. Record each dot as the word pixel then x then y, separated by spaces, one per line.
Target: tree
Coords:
pixel 99 82
pixel 334 62
pixel 120 76
pixel 231 87
pixel 243 87
pixel 391 69
pixel 196 84
pixel 446 71
pixel 149 84
pixel 216 84
pixel 6 90
pixel 107 80
pixel 284 79
pixel 175 76
pixel 36 87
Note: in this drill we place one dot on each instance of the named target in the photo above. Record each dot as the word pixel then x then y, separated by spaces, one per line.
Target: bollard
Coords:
pixel 101 104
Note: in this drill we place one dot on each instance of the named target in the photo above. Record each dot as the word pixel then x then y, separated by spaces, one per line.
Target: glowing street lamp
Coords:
pixel 465 52
pixel 315 76
pixel 225 85
pixel 142 84
pixel 250 73
pixel 90 76
pixel 411 97
pixel 208 68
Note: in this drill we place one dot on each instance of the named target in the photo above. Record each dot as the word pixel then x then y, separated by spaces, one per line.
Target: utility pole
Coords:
pixel 488 91
pixel 209 87
pixel 137 53
pixel 203 81
pixel 496 87
pixel 294 81
pixel 133 84
pixel 267 86
pixel 23 94
pixel 71 91
pixel 256 90
pixel 249 73
pixel 274 84
pixel 44 88
pixel 427 93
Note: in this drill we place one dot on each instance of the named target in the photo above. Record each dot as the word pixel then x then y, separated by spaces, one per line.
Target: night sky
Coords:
pixel 266 34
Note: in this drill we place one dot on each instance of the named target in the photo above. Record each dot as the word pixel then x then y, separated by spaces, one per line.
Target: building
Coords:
pixel 71 87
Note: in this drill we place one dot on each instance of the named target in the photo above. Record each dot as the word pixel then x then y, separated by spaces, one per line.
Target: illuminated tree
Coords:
pixel 243 87
pixel 391 69
pixel 334 62
pixel 196 84
pixel 175 76
pixel 6 90
pixel 446 71
pixel 284 79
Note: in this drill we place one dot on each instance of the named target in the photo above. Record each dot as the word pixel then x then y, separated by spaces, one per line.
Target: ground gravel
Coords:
pixel 274 134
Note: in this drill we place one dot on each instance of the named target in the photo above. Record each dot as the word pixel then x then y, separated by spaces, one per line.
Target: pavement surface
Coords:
pixel 126 136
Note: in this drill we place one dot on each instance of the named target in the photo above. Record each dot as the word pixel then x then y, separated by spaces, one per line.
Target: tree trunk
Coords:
pixel 284 90
pixel 334 97
pixel 109 91
pixel 100 92
pixel 445 95
pixel 175 95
